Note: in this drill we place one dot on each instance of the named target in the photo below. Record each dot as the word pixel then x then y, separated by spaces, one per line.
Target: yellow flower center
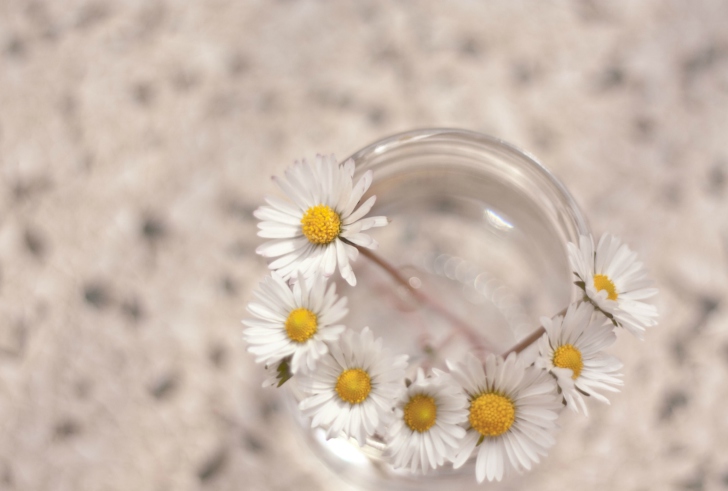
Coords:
pixel 420 413
pixel 602 282
pixel 301 325
pixel 492 414
pixel 321 224
pixel 354 385
pixel 567 356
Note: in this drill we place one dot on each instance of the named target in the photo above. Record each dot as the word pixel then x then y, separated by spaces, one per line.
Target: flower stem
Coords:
pixel 526 342
pixel 463 327
pixel 530 339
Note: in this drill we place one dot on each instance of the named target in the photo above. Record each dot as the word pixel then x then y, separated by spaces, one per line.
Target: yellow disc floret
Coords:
pixel 301 325
pixel 492 414
pixel 354 385
pixel 321 224
pixel 602 282
pixel 567 356
pixel 420 413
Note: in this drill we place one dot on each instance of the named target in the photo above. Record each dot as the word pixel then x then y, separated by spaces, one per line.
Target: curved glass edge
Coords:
pixel 406 138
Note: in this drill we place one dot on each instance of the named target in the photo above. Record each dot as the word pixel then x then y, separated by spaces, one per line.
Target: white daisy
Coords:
pixel 323 224
pixel 295 322
pixel 426 428
pixel 354 388
pixel 512 414
pixel 572 348
pixel 615 282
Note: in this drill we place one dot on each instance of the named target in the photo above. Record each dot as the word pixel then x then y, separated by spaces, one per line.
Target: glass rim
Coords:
pixel 424 134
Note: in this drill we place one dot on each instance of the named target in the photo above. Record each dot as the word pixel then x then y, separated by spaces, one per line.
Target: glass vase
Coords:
pixel 481 228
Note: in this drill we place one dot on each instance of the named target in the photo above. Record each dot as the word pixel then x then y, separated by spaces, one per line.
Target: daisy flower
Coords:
pixel 615 282
pixel 511 417
pixel 572 348
pixel 354 388
pixel 295 321
pixel 321 227
pixel 426 429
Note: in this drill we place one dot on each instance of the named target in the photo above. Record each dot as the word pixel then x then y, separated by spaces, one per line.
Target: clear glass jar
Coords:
pixel 481 228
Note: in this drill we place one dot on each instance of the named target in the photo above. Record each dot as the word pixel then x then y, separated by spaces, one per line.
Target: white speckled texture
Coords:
pixel 137 136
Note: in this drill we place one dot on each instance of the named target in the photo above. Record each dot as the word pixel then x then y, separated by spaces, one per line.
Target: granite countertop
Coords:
pixel 134 140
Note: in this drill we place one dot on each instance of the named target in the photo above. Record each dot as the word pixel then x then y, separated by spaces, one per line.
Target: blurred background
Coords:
pixel 136 138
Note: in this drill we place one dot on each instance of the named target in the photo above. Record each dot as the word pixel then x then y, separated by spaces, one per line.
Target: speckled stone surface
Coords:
pixel 136 138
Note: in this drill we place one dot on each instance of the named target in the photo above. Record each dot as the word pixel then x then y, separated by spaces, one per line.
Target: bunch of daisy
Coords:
pixel 499 412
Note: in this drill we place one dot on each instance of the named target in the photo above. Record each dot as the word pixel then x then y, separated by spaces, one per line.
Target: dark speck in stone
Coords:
pixel 153 228
pixel 132 309
pixel 672 402
pixel 42 21
pixel 34 242
pixel 717 178
pixel 329 97
pixel 69 105
pixel 7 476
pixel 16 48
pixel 672 193
pixel 97 295
pixel 708 305
pixel 543 136
pixel 51 33
pixel 42 310
pixel 92 14
pixel 376 116
pixel 66 429
pixel 165 386
pixel 610 78
pixel 213 465
pixel 701 60
pixel 143 93
pixel 217 355
pixel 388 54
pixel 229 286
pixel 239 209
pixel 268 408
pixel 267 102
pixel 644 128
pixel 237 65
pixel 150 18
pixel 522 73
pixel 695 483
pixel 18 340
pixel 86 162
pixel 678 350
pixel 470 47
pixel 367 12
pixel 23 190
pixel 82 388
pixel 591 11
pixel 239 249
pixel 222 104
pixel 184 80
pixel 252 443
